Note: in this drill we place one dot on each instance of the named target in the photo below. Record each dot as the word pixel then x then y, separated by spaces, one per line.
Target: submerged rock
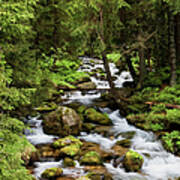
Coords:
pixel 62 122
pixel 124 143
pixel 52 173
pixel 133 161
pixel 91 158
pixel 96 117
pixel 98 173
pixel 68 162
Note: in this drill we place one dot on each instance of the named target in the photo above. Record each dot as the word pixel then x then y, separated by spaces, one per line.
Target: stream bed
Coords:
pixel 158 163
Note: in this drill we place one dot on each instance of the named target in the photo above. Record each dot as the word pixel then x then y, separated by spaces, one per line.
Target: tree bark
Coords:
pixel 106 64
pixel 131 68
pixel 108 72
pixel 177 36
pixel 172 48
pixel 142 67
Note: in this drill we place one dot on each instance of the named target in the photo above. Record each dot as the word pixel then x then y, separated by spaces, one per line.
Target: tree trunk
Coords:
pixel 131 68
pixel 108 72
pixel 172 48
pixel 177 36
pixel 142 67
pixel 106 65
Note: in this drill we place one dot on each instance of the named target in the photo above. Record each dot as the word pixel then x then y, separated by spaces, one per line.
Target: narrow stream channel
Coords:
pixel 158 163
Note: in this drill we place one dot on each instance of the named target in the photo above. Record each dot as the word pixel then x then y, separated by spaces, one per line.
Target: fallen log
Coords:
pixel 167 105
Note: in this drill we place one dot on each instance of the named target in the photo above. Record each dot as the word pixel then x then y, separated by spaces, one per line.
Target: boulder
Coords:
pixel 71 150
pixel 68 162
pixel 69 146
pixel 62 122
pixel 90 146
pixel 83 178
pixel 46 151
pixel 69 140
pixel 96 117
pixel 125 143
pixel 87 86
pixel 91 158
pixel 98 173
pixel 133 161
pixel 52 173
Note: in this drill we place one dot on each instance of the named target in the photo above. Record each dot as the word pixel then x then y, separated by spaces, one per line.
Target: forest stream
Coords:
pixel 158 163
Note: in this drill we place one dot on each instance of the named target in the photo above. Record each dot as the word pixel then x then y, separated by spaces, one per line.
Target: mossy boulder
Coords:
pixel 62 122
pixel 91 158
pixel 52 173
pixel 124 143
pixel 68 162
pixel 92 115
pixel 71 150
pixel 133 161
pixel 81 109
pixel 46 151
pixel 69 146
pixel 66 141
pixel 83 178
pixel 87 86
pixel 88 127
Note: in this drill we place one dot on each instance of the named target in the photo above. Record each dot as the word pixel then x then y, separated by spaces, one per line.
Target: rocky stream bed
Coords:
pixel 85 139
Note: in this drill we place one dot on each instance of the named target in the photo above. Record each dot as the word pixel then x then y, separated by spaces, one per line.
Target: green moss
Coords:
pixel 81 109
pixel 15 150
pixel 69 140
pixel 91 158
pixel 133 161
pixel 68 162
pixel 52 173
pixel 71 150
pixel 97 117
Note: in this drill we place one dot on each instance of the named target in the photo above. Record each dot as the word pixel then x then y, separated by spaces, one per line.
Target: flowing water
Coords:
pixel 158 163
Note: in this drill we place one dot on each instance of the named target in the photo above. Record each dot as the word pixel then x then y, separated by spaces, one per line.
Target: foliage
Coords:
pixel 13 144
pixel 172 141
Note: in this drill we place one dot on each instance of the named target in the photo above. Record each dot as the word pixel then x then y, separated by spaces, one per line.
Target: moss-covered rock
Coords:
pixel 71 150
pixel 133 161
pixel 69 146
pixel 83 178
pixel 124 143
pixel 96 117
pixel 46 151
pixel 68 162
pixel 88 127
pixel 52 173
pixel 90 146
pixel 62 122
pixel 69 140
pixel 91 158
pixel 87 86
pixel 81 109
